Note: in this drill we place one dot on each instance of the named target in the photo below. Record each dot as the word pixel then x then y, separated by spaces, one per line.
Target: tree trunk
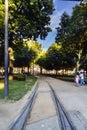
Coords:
pixel 10 70
pixel 56 72
pixel 11 59
pixel 40 70
pixel 78 60
pixel 28 69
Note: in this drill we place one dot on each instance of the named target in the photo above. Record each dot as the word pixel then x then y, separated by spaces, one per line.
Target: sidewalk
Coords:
pixel 73 98
pixel 43 114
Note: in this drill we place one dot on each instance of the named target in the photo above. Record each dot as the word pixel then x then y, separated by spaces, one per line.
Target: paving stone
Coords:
pixel 78 120
pixel 50 123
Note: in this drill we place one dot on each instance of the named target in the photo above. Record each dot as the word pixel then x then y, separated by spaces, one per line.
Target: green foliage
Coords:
pixel 24 17
pixel 27 19
pixel 2 16
pixel 41 59
pixel 0 1
pixel 54 56
pixel 52 59
pixel 72 33
pixel 26 54
pixel 62 29
pixel 66 77
pixel 19 77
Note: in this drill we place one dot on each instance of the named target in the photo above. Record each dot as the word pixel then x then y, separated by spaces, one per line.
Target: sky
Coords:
pixel 60 6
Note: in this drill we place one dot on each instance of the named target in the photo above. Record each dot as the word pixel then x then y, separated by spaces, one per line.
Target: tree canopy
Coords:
pixel 27 18
pixel 72 33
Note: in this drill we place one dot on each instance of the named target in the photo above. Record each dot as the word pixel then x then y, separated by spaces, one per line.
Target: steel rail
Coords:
pixel 19 122
pixel 65 121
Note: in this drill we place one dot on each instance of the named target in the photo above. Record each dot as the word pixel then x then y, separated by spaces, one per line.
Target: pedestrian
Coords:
pixel 77 80
pixel 82 82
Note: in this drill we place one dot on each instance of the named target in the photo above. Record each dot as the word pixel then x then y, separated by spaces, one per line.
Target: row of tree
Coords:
pixel 30 19
pixel 72 34
pixel 70 49
pixel 55 59
pixel 27 20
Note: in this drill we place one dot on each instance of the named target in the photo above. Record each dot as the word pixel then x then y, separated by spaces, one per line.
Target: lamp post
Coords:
pixel 6 51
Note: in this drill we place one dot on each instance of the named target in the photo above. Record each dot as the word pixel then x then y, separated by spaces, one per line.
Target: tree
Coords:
pixel 23 58
pixel 62 29
pixel 2 15
pixel 27 54
pixel 77 32
pixel 41 61
pixel 53 58
pixel 75 36
pixel 29 18
pixel 68 60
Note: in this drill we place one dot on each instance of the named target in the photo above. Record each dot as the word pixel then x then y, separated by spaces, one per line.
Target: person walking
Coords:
pixel 77 80
pixel 82 82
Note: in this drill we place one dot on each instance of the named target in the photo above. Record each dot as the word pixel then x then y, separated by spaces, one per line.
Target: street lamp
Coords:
pixel 6 51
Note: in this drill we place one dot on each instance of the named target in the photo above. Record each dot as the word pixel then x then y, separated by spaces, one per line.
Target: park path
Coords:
pixel 73 98
pixel 43 115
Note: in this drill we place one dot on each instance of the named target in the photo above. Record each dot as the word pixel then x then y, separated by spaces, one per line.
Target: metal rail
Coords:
pixel 65 122
pixel 64 119
pixel 19 122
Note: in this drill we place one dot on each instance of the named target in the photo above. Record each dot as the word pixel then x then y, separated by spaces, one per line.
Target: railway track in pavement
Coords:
pixel 62 122
pixel 65 122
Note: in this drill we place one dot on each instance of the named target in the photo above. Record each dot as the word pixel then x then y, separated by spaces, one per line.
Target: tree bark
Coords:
pixel 78 60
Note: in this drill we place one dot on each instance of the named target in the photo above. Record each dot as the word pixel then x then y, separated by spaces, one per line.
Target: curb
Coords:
pixel 19 121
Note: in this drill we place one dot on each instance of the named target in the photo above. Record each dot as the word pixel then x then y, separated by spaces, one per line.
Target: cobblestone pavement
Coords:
pixel 73 98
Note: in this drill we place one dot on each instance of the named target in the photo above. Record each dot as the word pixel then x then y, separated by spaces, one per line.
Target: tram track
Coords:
pixel 65 122
pixel 63 118
pixel 19 122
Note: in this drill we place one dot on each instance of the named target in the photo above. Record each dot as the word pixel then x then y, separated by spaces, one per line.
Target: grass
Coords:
pixel 17 89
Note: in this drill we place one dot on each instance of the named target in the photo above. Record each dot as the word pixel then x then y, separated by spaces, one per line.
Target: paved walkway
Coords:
pixel 73 98
pixel 43 115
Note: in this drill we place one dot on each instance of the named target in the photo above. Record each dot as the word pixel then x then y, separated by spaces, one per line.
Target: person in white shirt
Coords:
pixel 77 80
